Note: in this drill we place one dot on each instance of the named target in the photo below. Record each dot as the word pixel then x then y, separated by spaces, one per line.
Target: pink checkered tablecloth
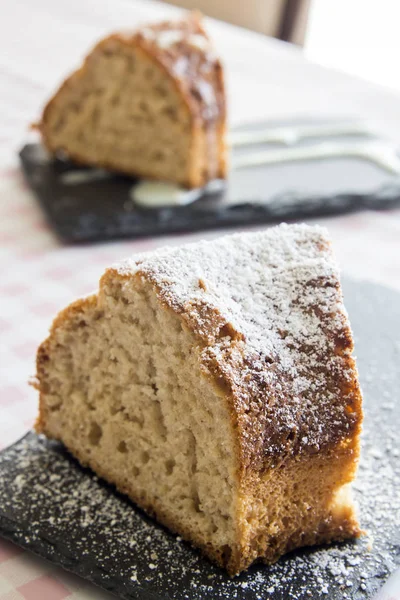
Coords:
pixel 40 42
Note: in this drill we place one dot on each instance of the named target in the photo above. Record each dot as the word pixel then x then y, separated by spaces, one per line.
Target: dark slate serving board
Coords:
pixel 52 506
pixel 102 209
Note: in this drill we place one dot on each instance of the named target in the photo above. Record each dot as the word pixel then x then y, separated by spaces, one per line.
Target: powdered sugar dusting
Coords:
pixel 279 291
pixel 165 39
pixel 185 48
pixel 166 36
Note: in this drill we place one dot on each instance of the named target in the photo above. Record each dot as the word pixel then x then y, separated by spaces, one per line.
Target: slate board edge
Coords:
pixel 180 219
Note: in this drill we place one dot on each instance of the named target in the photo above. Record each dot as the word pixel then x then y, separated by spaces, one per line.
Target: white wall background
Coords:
pixel 360 37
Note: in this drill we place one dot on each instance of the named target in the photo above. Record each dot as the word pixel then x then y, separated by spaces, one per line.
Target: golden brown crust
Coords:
pixel 196 74
pixel 42 357
pixel 194 66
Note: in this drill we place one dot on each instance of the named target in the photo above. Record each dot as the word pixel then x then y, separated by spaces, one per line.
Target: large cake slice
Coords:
pixel 149 103
pixel 214 384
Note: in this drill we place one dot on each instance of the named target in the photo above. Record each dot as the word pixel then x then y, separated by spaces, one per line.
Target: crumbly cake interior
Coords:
pixel 126 395
pixel 148 103
pixel 124 111
pixel 214 384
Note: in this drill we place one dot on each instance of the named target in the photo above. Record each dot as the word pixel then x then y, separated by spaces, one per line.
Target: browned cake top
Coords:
pixel 185 50
pixel 268 309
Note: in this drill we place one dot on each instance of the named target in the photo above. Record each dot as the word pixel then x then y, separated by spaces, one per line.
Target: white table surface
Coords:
pixel 40 42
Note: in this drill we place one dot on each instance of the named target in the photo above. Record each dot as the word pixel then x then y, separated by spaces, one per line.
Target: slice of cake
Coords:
pixel 214 384
pixel 149 103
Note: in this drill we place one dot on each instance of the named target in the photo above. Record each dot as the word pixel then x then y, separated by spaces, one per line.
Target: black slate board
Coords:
pixel 102 209
pixel 52 506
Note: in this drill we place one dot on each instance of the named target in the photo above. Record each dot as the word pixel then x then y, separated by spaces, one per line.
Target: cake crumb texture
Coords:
pixel 148 103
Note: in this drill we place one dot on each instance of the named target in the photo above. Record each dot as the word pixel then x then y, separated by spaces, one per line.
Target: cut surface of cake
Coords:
pixel 149 103
pixel 214 385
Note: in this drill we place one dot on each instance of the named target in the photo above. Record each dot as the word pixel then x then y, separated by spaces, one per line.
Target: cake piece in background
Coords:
pixel 214 384
pixel 149 103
